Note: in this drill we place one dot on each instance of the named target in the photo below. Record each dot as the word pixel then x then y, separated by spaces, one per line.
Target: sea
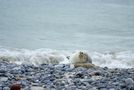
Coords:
pixel 36 31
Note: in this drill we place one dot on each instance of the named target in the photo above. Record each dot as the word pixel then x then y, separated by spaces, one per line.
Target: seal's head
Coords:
pixel 80 57
pixel 81 54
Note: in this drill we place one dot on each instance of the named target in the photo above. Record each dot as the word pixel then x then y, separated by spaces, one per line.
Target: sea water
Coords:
pixel 35 31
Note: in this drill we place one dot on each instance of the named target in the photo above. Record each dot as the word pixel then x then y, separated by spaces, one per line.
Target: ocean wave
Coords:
pixel 39 56
pixel 122 59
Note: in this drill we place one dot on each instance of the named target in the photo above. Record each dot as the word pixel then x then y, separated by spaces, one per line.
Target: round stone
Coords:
pixel 3 79
pixel 6 88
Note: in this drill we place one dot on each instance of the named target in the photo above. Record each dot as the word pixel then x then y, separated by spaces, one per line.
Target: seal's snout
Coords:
pixel 81 53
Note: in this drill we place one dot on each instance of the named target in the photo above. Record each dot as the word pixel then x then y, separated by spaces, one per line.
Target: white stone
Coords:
pixel 36 88
pixel 2 79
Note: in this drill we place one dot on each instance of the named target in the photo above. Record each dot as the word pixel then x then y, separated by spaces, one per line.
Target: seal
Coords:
pixel 81 59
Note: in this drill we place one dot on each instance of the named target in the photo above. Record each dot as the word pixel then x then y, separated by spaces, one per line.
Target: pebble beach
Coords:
pixel 62 77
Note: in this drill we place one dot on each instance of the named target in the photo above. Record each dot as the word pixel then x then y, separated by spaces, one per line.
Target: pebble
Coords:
pixel 2 70
pixel 0 88
pixel 104 89
pixel 6 88
pixel 79 75
pixel 36 88
pixel 3 79
pixel 111 89
pixel 23 83
pixel 100 85
pixel 62 77
pixel 129 81
pixel 95 73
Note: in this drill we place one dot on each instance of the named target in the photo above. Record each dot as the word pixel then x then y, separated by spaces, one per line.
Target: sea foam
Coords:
pixel 122 59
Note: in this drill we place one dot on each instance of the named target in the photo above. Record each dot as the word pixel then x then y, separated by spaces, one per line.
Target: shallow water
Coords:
pixel 96 26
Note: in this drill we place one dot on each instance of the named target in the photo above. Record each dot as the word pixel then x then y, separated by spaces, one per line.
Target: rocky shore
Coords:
pixel 62 77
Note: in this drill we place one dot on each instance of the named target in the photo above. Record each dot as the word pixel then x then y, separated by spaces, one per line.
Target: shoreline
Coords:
pixel 62 77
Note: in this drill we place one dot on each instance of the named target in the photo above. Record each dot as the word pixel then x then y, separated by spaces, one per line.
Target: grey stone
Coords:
pixel 6 88
pixel 48 88
pixel 87 80
pixel 26 88
pixel 129 84
pixel 105 68
pixel 60 88
pixel 24 83
pixel 100 85
pixel 36 88
pixel 29 78
pixel 79 75
pixel 69 69
pixel 81 69
pixel 0 88
pixel 35 84
pixel 130 87
pixel 129 81
pixel 59 66
pixel 104 89
pixel 109 86
pixel 122 85
pixel 116 83
pixel 96 73
pixel 85 83
pixel 81 87
pixel 3 79
pixel 46 81
pixel 3 70
pixel 17 68
pixel 52 86
pixel 15 72
pixel 111 89
pixel 94 88
pixel 71 88
pixel 36 80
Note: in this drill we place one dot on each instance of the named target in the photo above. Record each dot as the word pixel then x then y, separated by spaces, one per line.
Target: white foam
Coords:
pixel 123 59
pixel 35 57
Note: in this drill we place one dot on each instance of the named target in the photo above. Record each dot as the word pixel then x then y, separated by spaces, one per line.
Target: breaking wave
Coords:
pixel 122 59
